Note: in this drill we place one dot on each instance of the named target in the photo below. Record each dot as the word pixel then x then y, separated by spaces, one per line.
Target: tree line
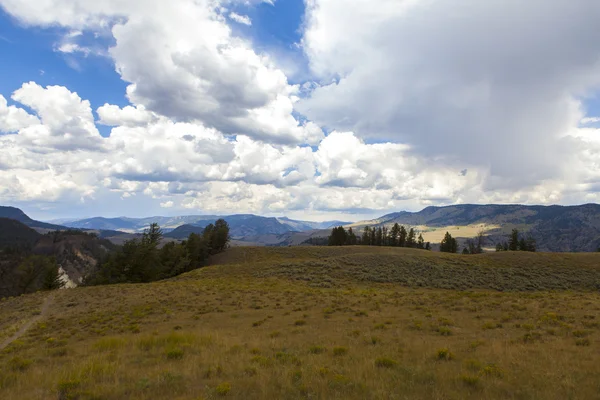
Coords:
pixel 143 260
pixel 397 236
pixel 517 242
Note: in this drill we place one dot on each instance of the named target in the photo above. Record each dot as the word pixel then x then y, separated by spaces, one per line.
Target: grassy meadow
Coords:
pixel 319 323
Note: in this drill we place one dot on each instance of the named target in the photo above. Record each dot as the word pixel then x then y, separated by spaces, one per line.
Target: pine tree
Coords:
pixel 379 237
pixel 513 240
pixel 366 236
pixel 421 242
pixel 411 238
pixel 52 279
pixel 394 235
pixel 402 237
pixel 338 236
pixel 351 237
pixel 449 244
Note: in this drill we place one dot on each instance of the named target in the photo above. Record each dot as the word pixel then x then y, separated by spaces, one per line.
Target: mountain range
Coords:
pixel 241 225
pixel 555 228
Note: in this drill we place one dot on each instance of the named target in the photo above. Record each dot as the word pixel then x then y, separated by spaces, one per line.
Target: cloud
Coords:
pixel 199 71
pixel 493 84
pixel 67 122
pixel 12 118
pixel 112 115
pixel 411 103
pixel 241 19
pixel 589 120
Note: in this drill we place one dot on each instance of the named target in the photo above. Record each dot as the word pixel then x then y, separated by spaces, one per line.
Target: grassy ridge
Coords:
pixel 335 266
pixel 256 326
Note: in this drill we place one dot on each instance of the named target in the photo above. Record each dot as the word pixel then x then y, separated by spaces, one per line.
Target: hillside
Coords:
pixel 555 228
pixel 311 322
pixel 25 256
pixel 184 231
pixel 18 215
pixel 16 235
pixel 77 253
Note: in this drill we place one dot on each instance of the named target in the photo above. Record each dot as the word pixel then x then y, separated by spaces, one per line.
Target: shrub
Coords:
pixel 262 361
pixel 384 362
pixel 470 380
pixel 582 342
pixel 340 351
pixel 492 370
pixel 317 349
pixel 19 364
pixel 444 354
pixel 174 353
pixel 531 337
pixel 275 334
pixel 223 388
pixel 444 331
pixel 67 389
pixel 491 325
pixel 300 322
pixel 416 325
pixel 375 340
pixel 580 333
pixel 473 365
pixel 286 358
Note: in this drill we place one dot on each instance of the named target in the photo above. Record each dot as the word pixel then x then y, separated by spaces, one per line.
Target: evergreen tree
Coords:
pixel 421 242
pixel 427 246
pixel 220 236
pixel 394 234
pixel 52 279
pixel 411 238
pixel 366 236
pixel 385 238
pixel 513 240
pixel 352 239
pixel 466 251
pixel 402 237
pixel 449 244
pixel 379 237
pixel 338 236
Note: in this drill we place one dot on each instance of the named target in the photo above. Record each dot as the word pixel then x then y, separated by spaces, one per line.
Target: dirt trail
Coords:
pixel 47 302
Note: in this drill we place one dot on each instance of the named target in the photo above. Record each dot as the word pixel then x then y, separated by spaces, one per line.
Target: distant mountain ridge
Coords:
pixel 555 228
pixel 242 225
pixel 18 215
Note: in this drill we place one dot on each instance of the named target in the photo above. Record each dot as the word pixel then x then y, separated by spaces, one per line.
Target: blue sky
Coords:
pixel 275 30
pixel 218 125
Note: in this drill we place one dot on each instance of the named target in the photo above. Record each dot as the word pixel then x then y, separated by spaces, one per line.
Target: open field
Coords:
pixel 320 323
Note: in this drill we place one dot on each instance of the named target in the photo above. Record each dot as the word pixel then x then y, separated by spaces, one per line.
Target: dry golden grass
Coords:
pixel 436 234
pixel 245 330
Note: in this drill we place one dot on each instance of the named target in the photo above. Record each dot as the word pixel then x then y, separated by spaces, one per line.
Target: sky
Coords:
pixel 312 109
